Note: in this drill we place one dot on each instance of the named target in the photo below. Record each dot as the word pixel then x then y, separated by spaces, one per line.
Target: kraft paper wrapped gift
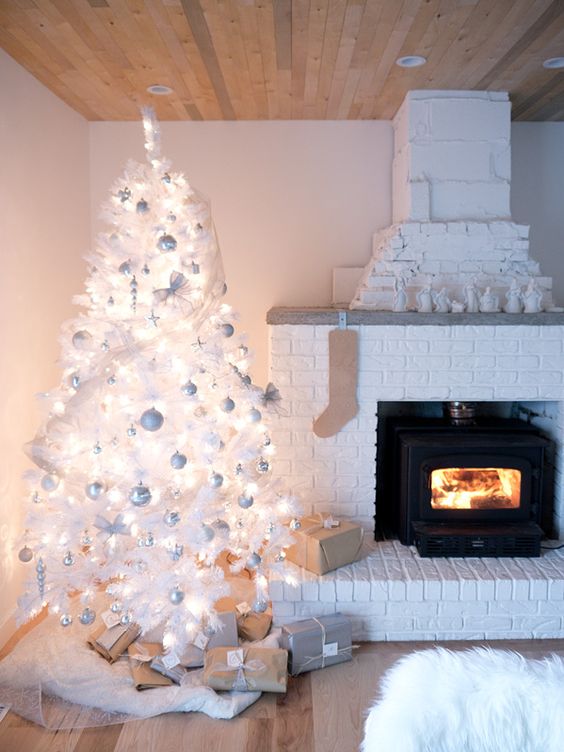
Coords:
pixel 317 643
pixel 225 636
pixel 323 544
pixel 250 625
pixel 111 642
pixel 140 656
pixel 247 669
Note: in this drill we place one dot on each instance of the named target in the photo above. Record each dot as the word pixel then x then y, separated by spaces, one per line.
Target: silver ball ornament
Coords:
pixel 145 270
pixel 149 540
pixel 140 495
pixel 111 380
pixel 206 534
pixel 94 489
pixel 166 243
pixel 152 419
pixel 227 405
pixel 189 389
pixel 171 518
pixel 216 480
pixel 116 607
pixel 97 449
pixel 254 560
pixel 81 339
pixel 255 415
pixel 262 466
pixel 50 482
pixel 68 561
pixel 176 596
pixel 65 620
pixel 125 620
pixel 125 268
pixel 178 460
pixel 87 617
pixel 280 556
pixel 75 381
pixel 176 552
pixel 245 502
pixel 195 268
pixel 25 554
pixel 260 606
pixel 295 524
pixel 142 207
pixel 246 379
pixel 221 528
pixel 131 431
pixel 124 194
pixel 166 178
pixel 227 330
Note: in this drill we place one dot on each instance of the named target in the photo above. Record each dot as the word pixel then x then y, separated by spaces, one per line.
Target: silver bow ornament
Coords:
pixel 176 291
pixel 107 528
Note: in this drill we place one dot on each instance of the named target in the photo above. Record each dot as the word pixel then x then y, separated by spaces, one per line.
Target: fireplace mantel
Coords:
pixel 330 316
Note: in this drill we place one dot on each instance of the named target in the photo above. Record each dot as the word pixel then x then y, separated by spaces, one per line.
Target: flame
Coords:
pixel 475 488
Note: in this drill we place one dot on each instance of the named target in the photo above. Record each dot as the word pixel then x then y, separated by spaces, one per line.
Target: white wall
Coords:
pixel 537 194
pixel 290 201
pixel 44 227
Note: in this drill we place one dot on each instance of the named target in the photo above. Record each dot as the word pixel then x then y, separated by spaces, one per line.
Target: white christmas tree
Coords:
pixel 154 457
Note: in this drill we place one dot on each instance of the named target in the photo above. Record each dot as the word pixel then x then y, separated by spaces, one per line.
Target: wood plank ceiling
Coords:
pixel 284 59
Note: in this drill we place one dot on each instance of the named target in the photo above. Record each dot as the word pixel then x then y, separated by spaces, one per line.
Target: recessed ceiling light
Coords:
pixel 554 62
pixel 411 61
pixel 159 89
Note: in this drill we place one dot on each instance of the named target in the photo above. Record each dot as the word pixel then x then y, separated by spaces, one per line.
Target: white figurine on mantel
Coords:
pixel 457 307
pixel 442 301
pixel 425 299
pixel 471 297
pixel 532 297
pixel 514 298
pixel 489 303
pixel 400 295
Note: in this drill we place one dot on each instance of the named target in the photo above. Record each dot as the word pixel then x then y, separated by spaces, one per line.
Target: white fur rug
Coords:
pixel 478 700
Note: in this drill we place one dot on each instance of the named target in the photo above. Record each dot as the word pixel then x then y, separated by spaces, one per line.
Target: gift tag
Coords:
pixel 235 658
pixel 4 711
pixel 330 648
pixel 243 608
pixel 110 619
pixel 170 660
pixel 331 523
pixel 201 641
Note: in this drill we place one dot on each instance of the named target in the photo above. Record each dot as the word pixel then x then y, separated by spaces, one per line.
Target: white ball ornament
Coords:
pixel 255 415
pixel 50 482
pixel 65 620
pixel 260 606
pixel 94 489
pixel 206 534
pixel 221 528
pixel 152 419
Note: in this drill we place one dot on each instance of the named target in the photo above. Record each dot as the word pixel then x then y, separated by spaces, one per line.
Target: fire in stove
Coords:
pixel 475 488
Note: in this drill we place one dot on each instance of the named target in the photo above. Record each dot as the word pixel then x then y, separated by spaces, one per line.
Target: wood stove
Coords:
pixel 465 490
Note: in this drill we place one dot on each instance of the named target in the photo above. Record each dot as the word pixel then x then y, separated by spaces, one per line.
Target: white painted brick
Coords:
pixel 284 608
pixel 459 635
pixel 310 590
pixel 538 624
pixel 438 623
pixel 327 590
pixel 450 590
pixel 414 590
pixel 379 590
pixel 542 346
pixel 490 623
pixel 405 608
pixel 463 608
pixel 314 608
pixel 276 590
pixel 397 590
pixel 361 590
pixel 513 608
pixel 486 590
pixel 503 590
pixel 432 590
pixel 538 590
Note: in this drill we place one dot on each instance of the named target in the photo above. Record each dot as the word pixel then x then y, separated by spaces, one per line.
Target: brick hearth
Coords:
pixel 393 593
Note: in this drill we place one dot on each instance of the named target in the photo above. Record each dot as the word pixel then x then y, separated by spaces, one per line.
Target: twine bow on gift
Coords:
pixel 310 658
pixel 236 662
pixel 107 528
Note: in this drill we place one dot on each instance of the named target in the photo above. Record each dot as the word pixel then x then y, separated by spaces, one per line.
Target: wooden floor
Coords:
pixel 323 711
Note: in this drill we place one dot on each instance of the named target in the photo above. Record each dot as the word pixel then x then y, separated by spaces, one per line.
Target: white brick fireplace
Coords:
pixel 392 593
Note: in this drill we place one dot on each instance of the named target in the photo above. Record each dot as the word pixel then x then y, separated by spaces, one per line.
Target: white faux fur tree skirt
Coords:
pixel 54 662
pixel 478 700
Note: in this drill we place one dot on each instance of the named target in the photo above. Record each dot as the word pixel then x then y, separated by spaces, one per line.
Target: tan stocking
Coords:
pixel 343 368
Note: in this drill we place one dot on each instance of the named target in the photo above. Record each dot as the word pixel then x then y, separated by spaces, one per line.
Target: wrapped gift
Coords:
pixel 247 669
pixel 224 636
pixel 226 560
pixel 111 642
pixel 168 667
pixel 323 543
pixel 251 626
pixel 317 642
pixel 140 656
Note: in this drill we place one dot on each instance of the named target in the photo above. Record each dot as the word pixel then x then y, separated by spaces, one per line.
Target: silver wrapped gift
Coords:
pixel 225 636
pixel 316 643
